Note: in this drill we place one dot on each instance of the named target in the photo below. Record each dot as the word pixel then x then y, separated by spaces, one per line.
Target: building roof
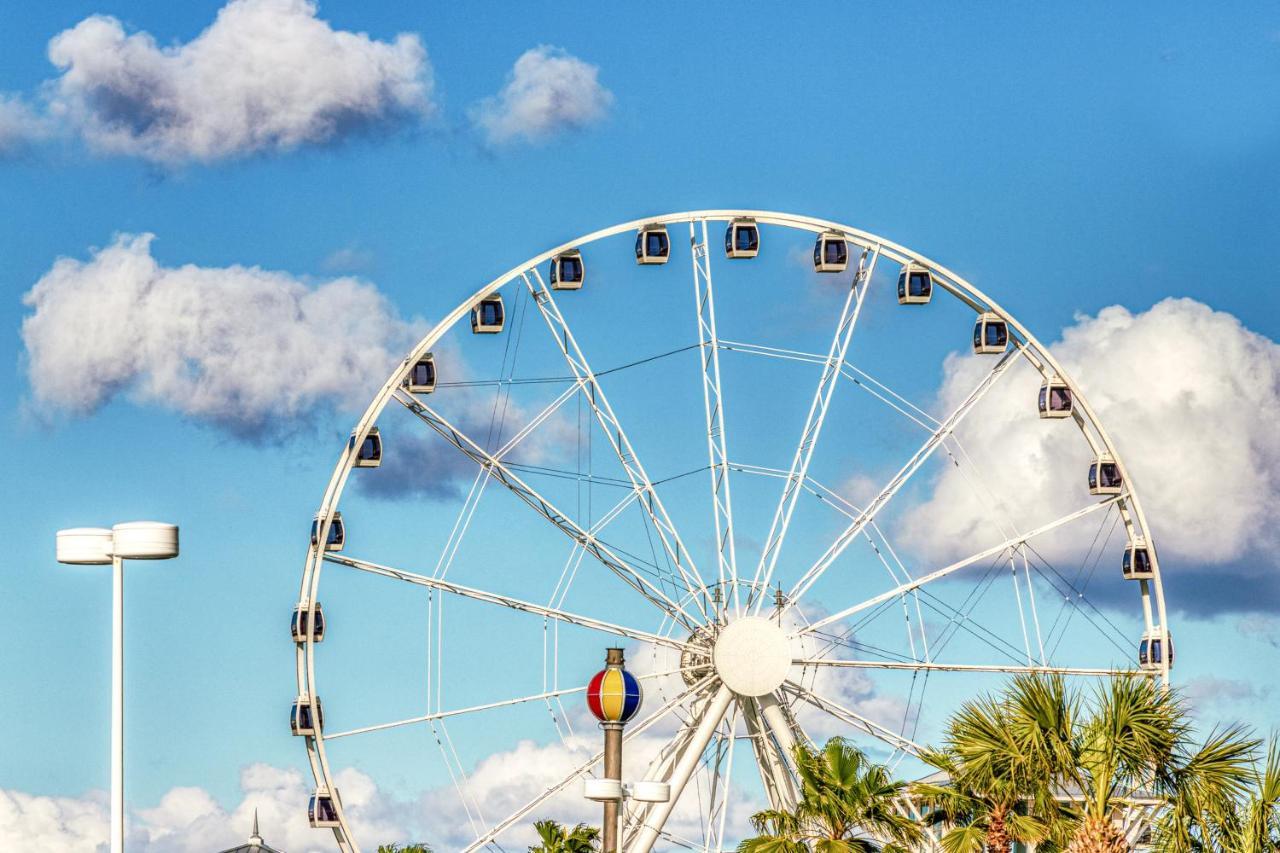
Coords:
pixel 255 844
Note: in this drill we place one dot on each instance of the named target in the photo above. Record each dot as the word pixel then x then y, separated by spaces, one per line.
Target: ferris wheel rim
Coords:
pixel 1031 348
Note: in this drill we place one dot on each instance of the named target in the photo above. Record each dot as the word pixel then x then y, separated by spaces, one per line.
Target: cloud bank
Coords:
pixel 1191 398
pixel 266 75
pixel 252 351
pixel 548 92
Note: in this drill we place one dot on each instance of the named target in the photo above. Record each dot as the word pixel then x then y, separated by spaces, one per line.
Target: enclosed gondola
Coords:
pixel 337 533
pixel 742 239
pixel 306 717
pixel 1136 563
pixel 653 246
pixel 566 271
pixel 915 285
pixel 1055 398
pixel 1155 652
pixel 304 624
pixel 990 334
pixel 322 810
pixel 830 253
pixel 369 454
pixel 487 316
pixel 1104 476
pixel 422 376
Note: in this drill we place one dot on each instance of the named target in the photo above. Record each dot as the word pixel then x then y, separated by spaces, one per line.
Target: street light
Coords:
pixel 97 546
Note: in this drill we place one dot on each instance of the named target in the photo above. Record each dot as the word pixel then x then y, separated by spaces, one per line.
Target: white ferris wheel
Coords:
pixel 730 481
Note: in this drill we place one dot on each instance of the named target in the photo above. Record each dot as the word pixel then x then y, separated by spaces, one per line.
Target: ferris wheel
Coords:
pixel 744 484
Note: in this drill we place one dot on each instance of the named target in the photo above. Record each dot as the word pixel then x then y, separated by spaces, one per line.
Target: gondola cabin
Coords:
pixel 337 533
pixel 306 717
pixel 369 454
pixel 307 622
pixel 830 253
pixel 322 810
pixel 566 271
pixel 742 239
pixel 1104 476
pixel 1155 652
pixel 487 316
pixel 990 334
pixel 653 246
pixel 1055 399
pixel 422 376
pixel 915 285
pixel 1136 562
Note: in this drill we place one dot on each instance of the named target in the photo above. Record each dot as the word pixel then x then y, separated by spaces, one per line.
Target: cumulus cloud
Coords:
pixel 1191 398
pixel 252 351
pixel 266 75
pixel 1209 693
pixel 19 124
pixel 548 92
pixel 189 820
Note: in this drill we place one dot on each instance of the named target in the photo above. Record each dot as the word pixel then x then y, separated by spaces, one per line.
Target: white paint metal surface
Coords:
pixel 752 656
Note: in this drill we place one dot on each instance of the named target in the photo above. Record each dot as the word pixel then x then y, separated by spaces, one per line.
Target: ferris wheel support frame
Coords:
pixel 1127 503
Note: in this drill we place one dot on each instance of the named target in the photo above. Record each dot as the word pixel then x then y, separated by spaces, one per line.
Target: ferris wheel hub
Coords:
pixel 752 656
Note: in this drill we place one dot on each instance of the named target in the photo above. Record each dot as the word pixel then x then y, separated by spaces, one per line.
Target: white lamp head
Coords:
pixel 145 540
pixel 650 792
pixel 602 790
pixel 85 546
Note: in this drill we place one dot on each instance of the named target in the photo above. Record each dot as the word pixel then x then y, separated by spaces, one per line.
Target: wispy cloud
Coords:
pixel 266 75
pixel 20 124
pixel 549 92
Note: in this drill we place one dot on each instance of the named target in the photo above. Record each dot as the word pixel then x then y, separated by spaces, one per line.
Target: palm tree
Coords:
pixel 845 802
pixel 1135 739
pixel 980 812
pixel 556 838
pixel 408 848
pixel 1242 818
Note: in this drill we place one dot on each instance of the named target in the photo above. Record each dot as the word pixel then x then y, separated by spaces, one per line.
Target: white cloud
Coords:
pixel 189 820
pixel 1190 396
pixel 249 350
pixel 19 124
pixel 548 92
pixel 266 75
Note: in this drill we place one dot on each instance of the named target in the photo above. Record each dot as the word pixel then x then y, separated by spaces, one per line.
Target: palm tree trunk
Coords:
pixel 998 840
pixel 1097 835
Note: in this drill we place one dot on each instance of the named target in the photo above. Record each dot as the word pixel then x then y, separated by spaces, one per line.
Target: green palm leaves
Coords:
pixel 557 838
pixel 845 801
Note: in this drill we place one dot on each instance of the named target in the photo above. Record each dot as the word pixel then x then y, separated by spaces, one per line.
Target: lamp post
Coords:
pixel 614 697
pixel 98 546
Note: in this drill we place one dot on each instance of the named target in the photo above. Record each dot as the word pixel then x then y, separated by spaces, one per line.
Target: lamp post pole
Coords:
pixel 98 546
pixel 614 697
pixel 117 704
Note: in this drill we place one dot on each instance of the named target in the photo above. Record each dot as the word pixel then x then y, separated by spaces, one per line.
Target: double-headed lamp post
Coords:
pixel 614 697
pixel 98 546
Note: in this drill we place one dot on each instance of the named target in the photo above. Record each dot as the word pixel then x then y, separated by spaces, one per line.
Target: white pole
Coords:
pixel 117 705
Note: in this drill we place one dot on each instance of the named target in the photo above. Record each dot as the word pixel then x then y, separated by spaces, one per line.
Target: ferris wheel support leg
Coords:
pixel 774 773
pixel 684 768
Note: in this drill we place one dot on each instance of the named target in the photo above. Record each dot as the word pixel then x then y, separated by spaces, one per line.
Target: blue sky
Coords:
pixel 1064 162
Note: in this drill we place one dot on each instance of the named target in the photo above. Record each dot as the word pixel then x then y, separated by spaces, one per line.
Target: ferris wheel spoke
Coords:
pixel 501 472
pixel 632 732
pixel 900 479
pixel 853 718
pixel 958 667
pixel 713 404
pixel 617 437
pixel 812 428
pixel 1011 543
pixel 473 709
pixel 502 600
pixel 779 785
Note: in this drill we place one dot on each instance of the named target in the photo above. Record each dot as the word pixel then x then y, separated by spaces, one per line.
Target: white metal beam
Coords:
pixel 612 429
pixel 1012 542
pixel 899 480
pixel 501 472
pixel 812 428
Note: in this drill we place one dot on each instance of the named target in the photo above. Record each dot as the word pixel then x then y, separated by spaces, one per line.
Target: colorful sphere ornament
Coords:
pixel 614 695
